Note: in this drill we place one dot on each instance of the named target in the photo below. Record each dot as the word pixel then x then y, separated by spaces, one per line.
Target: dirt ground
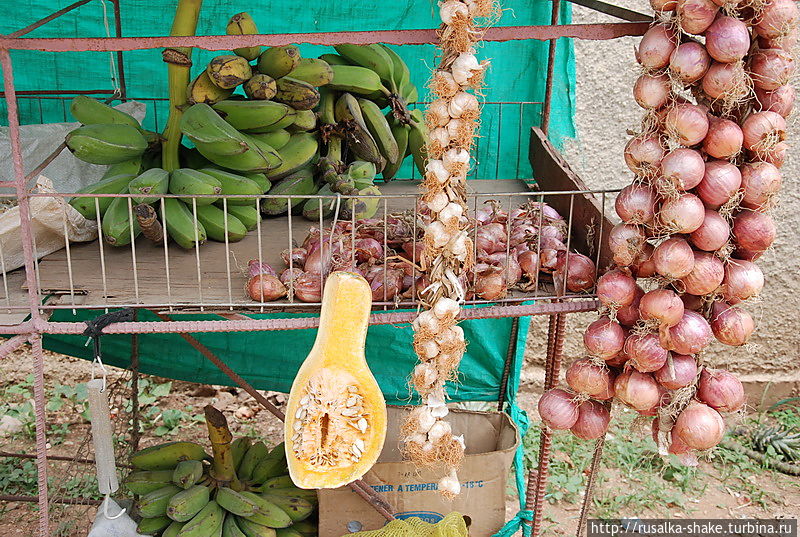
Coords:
pixel 755 493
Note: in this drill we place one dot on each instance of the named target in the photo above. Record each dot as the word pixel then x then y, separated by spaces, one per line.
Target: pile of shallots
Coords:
pixel 707 159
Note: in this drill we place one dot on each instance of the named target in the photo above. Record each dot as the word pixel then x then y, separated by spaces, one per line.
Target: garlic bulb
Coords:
pixel 427 446
pixel 425 375
pixel 449 484
pixel 441 135
pixel 439 411
pixel 460 440
pixel 417 438
pixel 458 246
pixel 436 399
pixel 437 169
pixel 428 321
pixel 438 233
pixel 424 419
pixel 438 114
pixel 439 202
pixel 445 307
pixel 465 66
pixel 456 127
pixel 451 214
pixel 429 350
pixel 463 103
pixel 452 9
pixel 438 430
pixel 444 84
pixel 455 159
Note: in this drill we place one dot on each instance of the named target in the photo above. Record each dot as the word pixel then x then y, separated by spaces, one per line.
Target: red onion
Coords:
pixel 628 315
pixel 638 390
pixel 771 68
pixel 656 46
pixel 558 409
pixel 592 422
pixel 682 214
pixel 674 258
pixel 263 284
pixel 636 204
pixel 522 233
pixel 490 283
pixel 643 265
pixel 777 18
pixel 691 335
pixel 724 138
pixel 551 232
pixel 651 91
pixel 720 390
pixel 689 62
pixel 643 153
pixel 762 130
pixel 645 352
pixel 625 242
pixel 731 325
pixel 290 274
pixel 788 41
pixel 760 182
pixel 529 263
pixel 687 124
pixel 662 305
pixel 298 257
pixel 720 183
pixel 712 234
pixel 578 269
pixel 753 231
pixel 548 258
pixel 683 167
pixel 746 255
pixel 663 5
pixel 776 156
pixel 616 289
pixel 780 101
pixel 308 287
pixel 410 253
pixel 604 338
pixel 386 283
pixel 509 264
pixel 318 259
pixel 695 16
pixel 727 39
pixel 699 426
pixel 255 267
pixel 726 81
pixel 663 399
pixel 693 302
pixel 585 376
pixel 617 361
pixel 743 280
pixel 682 372
pixel 706 276
pixel 490 238
pixel 368 249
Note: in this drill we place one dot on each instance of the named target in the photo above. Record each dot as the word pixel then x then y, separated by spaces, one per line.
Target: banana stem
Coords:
pixel 179 64
pixel 220 436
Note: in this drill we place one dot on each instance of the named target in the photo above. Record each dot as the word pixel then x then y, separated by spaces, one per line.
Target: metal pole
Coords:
pixel 123 89
pixel 41 435
pixel 511 355
pixel 587 498
pixel 551 61
pixel 52 16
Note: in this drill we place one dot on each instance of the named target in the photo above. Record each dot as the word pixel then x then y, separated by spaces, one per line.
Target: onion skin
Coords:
pixel 683 214
pixel 706 276
pixel 638 390
pixel 308 287
pixel 754 231
pixel 687 123
pixel 656 47
pixel 692 302
pixel 712 234
pixel 691 335
pixel 786 42
pixel 626 242
pixel 592 422
pixel 265 288
pixel 771 68
pixel 777 18
pixel 616 289
pixel 643 154
pixel 604 338
pixel 662 305
pixel 689 62
pixel 760 182
pixel 674 258
pixel 645 353
pixel 578 269
pixel 529 263
pixel 643 266
pixel 683 167
pixel 727 39
pixel 724 139
pixel 720 390
pixel 490 283
pixel 636 204
pixel 762 130
pixel 699 426
pixel 695 16
pixel 731 325
pixel 725 80
pixel 743 280
pixel 628 315
pixel 651 91
pixel 558 409
pixel 682 373
pixel 776 156
pixel 720 183
pixel 780 101
pixel 663 5
pixel 584 376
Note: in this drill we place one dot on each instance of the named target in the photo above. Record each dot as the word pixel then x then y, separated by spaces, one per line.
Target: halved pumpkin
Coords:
pixel 336 415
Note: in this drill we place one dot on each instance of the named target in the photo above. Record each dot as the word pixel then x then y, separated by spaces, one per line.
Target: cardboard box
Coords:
pixel 491 439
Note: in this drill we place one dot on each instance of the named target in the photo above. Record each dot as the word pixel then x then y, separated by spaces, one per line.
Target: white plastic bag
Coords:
pixel 123 526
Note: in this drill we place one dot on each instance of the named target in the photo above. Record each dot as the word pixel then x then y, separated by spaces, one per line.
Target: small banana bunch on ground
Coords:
pixel 244 490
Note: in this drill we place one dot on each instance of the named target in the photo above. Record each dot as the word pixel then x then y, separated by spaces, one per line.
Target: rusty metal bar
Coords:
pixel 614 11
pixel 551 61
pixel 510 360
pixel 52 16
pixel 597 31
pixel 41 436
pixel 123 89
pixel 34 499
pixel 12 344
pixel 587 498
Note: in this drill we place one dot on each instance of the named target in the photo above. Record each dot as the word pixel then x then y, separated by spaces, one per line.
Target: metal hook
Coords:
pixel 105 509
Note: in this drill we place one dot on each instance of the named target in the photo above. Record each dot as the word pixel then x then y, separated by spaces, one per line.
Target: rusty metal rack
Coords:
pixel 82 276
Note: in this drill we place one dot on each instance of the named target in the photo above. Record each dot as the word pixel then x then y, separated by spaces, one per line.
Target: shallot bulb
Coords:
pixel 679 372
pixel 771 68
pixel 712 234
pixel 385 283
pixel 595 380
pixel 720 183
pixel 558 409
pixel 689 62
pixel 762 130
pixel 490 238
pixel 699 426
pixel 695 16
pixel 683 167
pixel 682 214
pixel 724 139
pixel 727 39
pixel 674 258
pixel 490 283
pixel 592 422
pixel 578 270
pixel 788 41
pixel 651 91
pixel 720 390
pixel 643 154
pixel 731 325
pixel 760 182
pixel 616 289
pixel 656 47
pixel 687 124
pixel 639 391
pixel 604 338
pixel 529 263
pixel 645 352
pixel 265 288
pixel 726 81
pixel 290 274
pixel 628 315
pixel 754 231
pixel 706 276
pixel 643 266
pixel 776 156
pixel 307 287
pixel 777 18
pixel 743 280
pixel 636 204
pixel 691 335
pixel 780 101
pixel 626 242
pixel 662 305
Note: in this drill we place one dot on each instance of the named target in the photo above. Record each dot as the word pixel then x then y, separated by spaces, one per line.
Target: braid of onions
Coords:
pixel 715 87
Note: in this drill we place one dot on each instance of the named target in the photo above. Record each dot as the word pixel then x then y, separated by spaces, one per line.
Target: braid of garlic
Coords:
pixel 448 255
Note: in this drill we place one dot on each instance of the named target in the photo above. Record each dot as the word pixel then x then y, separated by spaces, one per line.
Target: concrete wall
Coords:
pixel 606 71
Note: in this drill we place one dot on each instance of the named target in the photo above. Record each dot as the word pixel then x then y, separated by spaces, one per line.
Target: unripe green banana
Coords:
pixel 243 24
pixel 380 130
pixel 187 473
pixel 267 513
pixel 314 71
pixel 119 224
pixel 214 221
pixel 356 79
pixel 167 456
pixel 239 447
pixel 287 532
pixel 191 158
pixel 144 481
pixel 173 529
pixel 306 528
pixel 417 141
pixel 278 61
pixel 282 482
pixel 181 225
pixel 365 207
pixel 300 151
pixel 106 143
pixel 205 523
pixel 203 90
pixel 275 139
pixel 251 529
pixel 261 87
pixel 309 495
pixel 358 136
pixel 230 528
pixel 235 184
pixel 153 525
pixel 304 120
pixel 154 504
pixel 269 467
pixel 189 183
pixel 401 75
pixel 299 183
pixel 278 451
pixel 203 126
pixel 312 209
pixel 298 94
pixel 257 453
pixel 372 57
pixel 362 173
pixel 154 181
pixel 297 508
pixel 126 167
pixel 235 502
pixel 400 133
pixel 246 214
pixel 261 179
pixel 90 111
pixel 228 71
pixel 110 185
pixel 249 115
pixel 255 159
pixel 184 505
pixel 335 59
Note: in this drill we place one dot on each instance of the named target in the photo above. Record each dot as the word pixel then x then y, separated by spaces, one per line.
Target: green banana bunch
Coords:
pixel 255 115
pixel 400 132
pixel 187 473
pixel 401 76
pixel 300 151
pixel 106 143
pixel 243 24
pixel 167 456
pixel 298 183
pixel 88 207
pixel 417 140
pixel 357 79
pixel 373 57
pixel 90 111
pixel 379 128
